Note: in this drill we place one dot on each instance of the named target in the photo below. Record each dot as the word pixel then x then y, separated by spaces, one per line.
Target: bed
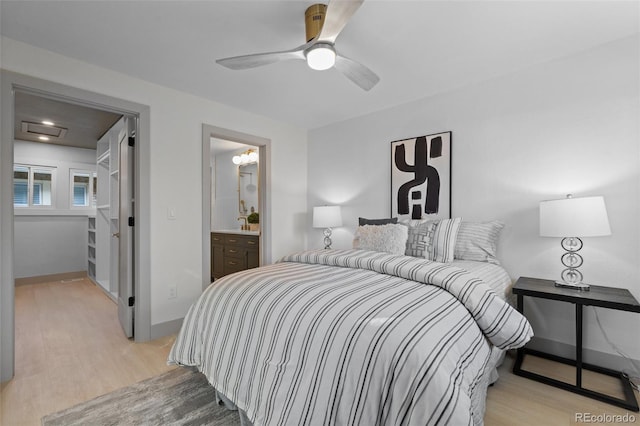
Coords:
pixel 353 337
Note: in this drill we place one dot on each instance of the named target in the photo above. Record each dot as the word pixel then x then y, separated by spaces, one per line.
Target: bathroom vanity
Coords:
pixel 233 251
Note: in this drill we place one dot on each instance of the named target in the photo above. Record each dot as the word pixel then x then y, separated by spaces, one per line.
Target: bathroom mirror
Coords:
pixel 248 193
pixel 234 178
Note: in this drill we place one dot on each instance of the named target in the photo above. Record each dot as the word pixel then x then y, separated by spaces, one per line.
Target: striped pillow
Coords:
pixel 478 241
pixel 444 240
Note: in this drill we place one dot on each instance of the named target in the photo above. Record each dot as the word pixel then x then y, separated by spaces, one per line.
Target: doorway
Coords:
pixel 12 82
pixel 71 185
pixel 216 135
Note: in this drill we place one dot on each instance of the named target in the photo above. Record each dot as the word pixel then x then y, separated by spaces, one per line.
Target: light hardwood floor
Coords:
pixel 70 348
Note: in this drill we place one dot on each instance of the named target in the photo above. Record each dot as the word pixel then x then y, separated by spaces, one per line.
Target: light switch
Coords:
pixel 171 213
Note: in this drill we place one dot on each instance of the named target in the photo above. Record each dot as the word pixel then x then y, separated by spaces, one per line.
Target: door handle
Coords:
pixel 116 235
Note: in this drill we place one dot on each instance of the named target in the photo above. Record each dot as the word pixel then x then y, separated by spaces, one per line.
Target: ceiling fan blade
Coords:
pixel 260 59
pixel 356 72
pixel 338 14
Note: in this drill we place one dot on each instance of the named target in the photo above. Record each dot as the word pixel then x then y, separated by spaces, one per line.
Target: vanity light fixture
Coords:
pixel 247 157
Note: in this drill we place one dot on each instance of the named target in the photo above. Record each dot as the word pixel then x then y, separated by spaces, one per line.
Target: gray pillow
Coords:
pixel 420 238
pixel 362 221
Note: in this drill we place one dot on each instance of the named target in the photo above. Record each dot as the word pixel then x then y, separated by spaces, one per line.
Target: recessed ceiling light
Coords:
pixel 48 122
pixel 43 138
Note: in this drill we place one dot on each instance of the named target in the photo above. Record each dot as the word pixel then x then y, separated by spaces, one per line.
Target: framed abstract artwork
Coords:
pixel 421 177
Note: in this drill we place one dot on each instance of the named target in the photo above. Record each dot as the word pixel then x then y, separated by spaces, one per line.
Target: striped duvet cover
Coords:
pixel 350 337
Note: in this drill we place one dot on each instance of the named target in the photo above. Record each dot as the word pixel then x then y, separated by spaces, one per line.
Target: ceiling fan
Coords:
pixel 323 24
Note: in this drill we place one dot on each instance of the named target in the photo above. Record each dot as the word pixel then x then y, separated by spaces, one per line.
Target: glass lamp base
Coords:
pixel 575 286
pixel 572 277
pixel 327 238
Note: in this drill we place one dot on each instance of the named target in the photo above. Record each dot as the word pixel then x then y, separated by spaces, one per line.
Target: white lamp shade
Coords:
pixel 327 217
pixel 574 217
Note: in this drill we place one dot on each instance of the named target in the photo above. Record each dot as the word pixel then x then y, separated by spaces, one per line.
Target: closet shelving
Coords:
pixel 107 200
pixel 91 248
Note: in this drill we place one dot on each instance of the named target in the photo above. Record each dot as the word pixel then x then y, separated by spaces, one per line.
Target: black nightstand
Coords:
pixel 605 297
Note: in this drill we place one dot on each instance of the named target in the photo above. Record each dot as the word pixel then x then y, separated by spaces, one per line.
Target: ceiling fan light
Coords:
pixel 321 56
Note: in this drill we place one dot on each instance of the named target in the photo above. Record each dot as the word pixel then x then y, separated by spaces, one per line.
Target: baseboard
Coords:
pixel 65 276
pixel 166 328
pixel 590 356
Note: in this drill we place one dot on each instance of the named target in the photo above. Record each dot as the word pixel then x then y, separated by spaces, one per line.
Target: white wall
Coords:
pixel 567 126
pixel 52 240
pixel 47 245
pixel 176 171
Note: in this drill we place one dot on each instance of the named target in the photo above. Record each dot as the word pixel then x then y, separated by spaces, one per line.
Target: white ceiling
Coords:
pixel 418 48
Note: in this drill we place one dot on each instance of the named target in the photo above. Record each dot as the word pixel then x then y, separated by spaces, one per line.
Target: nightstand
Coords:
pixel 605 297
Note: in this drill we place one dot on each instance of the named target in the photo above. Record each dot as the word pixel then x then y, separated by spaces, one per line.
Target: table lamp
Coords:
pixel 572 218
pixel 327 217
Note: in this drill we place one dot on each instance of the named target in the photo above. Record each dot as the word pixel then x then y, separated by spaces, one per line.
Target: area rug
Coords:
pixel 181 396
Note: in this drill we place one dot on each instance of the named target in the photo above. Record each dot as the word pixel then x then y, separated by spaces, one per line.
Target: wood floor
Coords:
pixel 515 400
pixel 70 348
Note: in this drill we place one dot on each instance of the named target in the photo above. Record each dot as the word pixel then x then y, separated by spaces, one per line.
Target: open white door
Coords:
pixel 126 222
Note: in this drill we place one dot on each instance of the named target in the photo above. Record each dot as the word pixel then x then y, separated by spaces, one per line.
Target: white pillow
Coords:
pixel 478 241
pixel 390 238
pixel 444 239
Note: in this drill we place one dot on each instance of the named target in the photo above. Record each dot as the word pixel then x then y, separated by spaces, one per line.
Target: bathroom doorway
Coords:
pixel 238 188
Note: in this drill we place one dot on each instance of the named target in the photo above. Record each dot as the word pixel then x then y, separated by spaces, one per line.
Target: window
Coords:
pixel 83 188
pixel 20 186
pixel 32 186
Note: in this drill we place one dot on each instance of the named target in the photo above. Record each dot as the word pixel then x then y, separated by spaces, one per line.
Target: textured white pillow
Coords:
pixel 390 238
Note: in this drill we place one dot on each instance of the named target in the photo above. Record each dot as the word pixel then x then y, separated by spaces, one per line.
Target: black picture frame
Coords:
pixel 421 189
